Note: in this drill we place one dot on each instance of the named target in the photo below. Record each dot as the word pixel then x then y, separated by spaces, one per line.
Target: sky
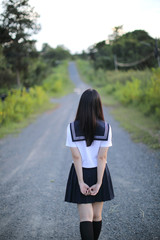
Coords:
pixel 78 24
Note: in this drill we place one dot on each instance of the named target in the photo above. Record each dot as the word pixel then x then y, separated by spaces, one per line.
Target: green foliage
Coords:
pixel 7 76
pixel 128 93
pixel 18 23
pixel 53 56
pixel 53 84
pixel 38 68
pixel 37 71
pixel 128 48
pixel 145 96
pixel 136 88
pixel 58 81
pixel 152 95
pixel 86 70
pixel 134 98
pixel 19 104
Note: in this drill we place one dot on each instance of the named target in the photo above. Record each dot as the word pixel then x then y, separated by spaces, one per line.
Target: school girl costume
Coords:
pixel 89 155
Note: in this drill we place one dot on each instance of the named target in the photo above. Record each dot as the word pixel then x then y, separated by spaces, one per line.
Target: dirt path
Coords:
pixel 34 168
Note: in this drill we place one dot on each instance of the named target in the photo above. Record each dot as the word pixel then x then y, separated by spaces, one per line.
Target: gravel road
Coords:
pixel 34 167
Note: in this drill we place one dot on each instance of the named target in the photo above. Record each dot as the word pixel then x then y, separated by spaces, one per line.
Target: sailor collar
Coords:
pixel 101 133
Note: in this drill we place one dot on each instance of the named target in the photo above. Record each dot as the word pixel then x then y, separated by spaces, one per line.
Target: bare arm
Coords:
pixel 101 163
pixel 102 156
pixel 78 167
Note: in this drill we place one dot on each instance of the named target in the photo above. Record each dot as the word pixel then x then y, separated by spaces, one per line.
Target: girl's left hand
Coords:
pixel 94 189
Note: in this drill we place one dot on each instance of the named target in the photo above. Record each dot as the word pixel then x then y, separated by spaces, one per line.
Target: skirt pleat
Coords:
pixel 73 193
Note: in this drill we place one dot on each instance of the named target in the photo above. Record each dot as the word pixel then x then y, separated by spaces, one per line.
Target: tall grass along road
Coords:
pixel 34 170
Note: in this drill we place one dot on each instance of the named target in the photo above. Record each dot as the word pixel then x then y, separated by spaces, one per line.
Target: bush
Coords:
pixel 53 84
pixel 58 80
pixel 152 94
pixel 144 93
pixel 128 93
pixel 19 104
pixel 139 88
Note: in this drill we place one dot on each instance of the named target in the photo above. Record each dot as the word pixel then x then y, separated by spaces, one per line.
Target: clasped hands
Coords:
pixel 86 190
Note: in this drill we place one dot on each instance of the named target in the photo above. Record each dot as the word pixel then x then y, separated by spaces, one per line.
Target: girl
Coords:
pixel 89 182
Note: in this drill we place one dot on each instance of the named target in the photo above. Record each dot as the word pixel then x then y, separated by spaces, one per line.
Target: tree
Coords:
pixel 135 46
pixel 132 49
pixel 117 32
pixel 101 55
pixel 7 77
pixel 17 24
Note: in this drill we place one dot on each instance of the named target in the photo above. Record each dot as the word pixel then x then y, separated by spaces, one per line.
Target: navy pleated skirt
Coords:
pixel 73 193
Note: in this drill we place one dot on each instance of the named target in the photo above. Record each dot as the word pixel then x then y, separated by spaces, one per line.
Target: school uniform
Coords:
pixel 89 155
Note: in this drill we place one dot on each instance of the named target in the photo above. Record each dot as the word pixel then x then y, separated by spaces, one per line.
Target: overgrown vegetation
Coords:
pixel 58 82
pixel 137 92
pixel 28 78
pixel 131 50
pixel 20 104
pixel 21 65
pixel 37 70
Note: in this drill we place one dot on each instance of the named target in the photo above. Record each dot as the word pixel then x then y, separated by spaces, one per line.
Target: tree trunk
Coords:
pixel 18 78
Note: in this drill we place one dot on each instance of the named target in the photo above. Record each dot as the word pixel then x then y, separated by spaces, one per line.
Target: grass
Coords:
pixel 67 88
pixel 16 127
pixel 58 83
pixel 141 128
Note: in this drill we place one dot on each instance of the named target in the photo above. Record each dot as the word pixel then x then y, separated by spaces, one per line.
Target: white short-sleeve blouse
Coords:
pixel 89 154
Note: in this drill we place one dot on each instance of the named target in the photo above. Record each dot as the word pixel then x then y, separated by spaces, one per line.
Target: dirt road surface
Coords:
pixel 34 167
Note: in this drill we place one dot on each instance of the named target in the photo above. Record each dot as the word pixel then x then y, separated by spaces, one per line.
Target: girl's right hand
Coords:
pixel 95 189
pixel 84 188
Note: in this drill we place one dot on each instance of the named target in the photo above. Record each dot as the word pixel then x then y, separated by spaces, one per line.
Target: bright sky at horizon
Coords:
pixel 80 24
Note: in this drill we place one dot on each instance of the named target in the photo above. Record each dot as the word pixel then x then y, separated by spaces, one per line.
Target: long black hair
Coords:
pixel 88 112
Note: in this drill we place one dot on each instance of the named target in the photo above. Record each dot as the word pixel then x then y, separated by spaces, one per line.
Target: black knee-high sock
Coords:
pixel 86 230
pixel 97 229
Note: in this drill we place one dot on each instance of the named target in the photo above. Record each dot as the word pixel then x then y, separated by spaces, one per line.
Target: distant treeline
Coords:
pixel 140 89
pixel 132 50
pixel 36 68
